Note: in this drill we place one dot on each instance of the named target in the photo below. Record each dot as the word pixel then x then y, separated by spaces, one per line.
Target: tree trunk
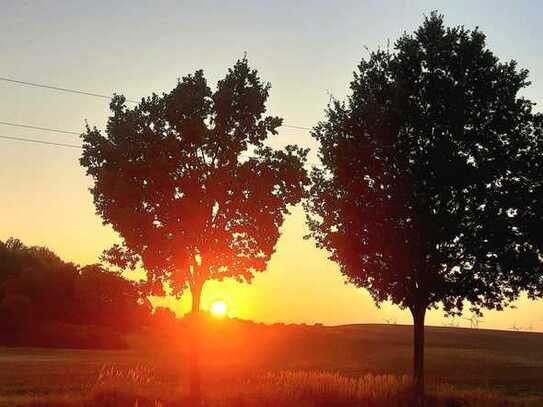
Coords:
pixel 418 354
pixel 195 373
pixel 196 293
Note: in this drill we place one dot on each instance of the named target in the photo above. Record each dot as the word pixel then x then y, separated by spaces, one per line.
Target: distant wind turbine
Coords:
pixel 474 321
pixel 454 322
pixel 514 327
pixel 390 321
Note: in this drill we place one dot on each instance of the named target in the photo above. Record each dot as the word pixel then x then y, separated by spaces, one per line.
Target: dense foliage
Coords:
pixel 46 301
pixel 187 181
pixel 430 190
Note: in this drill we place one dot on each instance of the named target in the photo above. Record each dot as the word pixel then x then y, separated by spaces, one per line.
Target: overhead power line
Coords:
pixel 60 89
pixel 297 127
pixel 31 140
pixel 98 95
pixel 26 126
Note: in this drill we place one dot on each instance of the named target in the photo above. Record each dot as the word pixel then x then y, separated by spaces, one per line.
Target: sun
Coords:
pixel 219 308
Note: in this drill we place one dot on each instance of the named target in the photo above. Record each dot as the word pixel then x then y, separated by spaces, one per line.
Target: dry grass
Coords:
pixel 284 366
pixel 314 388
pixel 140 387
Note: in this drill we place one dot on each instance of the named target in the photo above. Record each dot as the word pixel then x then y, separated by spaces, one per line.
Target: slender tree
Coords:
pixel 426 194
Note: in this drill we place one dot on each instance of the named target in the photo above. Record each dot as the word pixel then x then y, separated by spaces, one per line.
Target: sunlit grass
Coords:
pixel 282 366
pixel 141 387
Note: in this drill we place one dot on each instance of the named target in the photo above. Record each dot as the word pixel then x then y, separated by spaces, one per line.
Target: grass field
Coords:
pixel 500 364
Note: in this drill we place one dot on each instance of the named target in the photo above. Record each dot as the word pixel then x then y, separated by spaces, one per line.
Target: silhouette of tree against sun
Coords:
pixel 186 180
pixel 430 187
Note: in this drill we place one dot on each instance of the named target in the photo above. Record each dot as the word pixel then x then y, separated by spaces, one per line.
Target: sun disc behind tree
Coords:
pixel 219 308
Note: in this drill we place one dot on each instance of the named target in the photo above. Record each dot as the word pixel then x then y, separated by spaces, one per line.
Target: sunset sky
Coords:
pixel 306 49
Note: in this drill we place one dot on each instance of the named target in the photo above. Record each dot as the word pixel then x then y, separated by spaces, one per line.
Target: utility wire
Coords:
pixel 98 95
pixel 296 127
pixel 60 89
pixel 26 126
pixel 31 140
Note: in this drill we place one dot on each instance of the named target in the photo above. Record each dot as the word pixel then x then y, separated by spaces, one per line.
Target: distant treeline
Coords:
pixel 45 301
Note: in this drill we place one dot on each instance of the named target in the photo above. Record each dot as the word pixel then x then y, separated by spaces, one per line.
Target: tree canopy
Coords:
pixel 49 302
pixel 430 186
pixel 187 180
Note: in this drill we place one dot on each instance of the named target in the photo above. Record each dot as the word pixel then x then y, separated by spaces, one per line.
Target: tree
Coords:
pixel 106 298
pixel 427 191
pixel 46 301
pixel 186 180
pixel 40 276
pixel 531 218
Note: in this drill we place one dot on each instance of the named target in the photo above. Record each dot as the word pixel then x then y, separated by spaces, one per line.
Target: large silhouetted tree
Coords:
pixel 532 162
pixel 186 180
pixel 427 191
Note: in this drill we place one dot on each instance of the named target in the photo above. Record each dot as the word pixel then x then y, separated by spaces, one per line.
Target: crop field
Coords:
pixel 285 365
